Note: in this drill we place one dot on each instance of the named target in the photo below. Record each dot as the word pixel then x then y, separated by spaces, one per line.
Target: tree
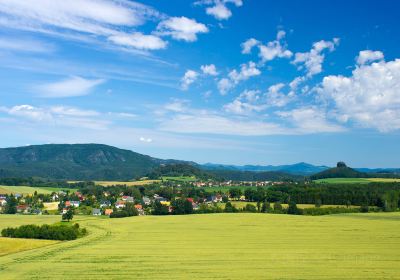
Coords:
pixel 278 206
pixel 266 207
pixel 69 215
pixel 293 210
pixel 318 203
pixel 11 205
pixel 160 209
pixel 250 208
pixel 229 208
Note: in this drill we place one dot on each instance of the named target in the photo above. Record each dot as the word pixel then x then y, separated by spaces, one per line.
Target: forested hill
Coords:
pixel 340 171
pixel 102 162
pixel 76 162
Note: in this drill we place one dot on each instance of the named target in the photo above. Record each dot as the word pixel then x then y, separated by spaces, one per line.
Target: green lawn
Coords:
pixel 356 180
pixel 216 246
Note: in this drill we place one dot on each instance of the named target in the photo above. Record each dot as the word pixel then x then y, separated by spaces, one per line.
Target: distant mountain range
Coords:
pixel 300 168
pixel 103 162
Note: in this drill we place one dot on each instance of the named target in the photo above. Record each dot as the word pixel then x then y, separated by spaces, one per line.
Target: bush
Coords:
pixel 52 232
pixel 250 208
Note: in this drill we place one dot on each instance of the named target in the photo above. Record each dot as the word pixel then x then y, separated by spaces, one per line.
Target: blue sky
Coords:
pixel 223 81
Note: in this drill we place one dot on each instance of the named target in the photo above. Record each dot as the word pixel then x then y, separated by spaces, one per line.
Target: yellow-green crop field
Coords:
pixel 215 246
pixel 23 190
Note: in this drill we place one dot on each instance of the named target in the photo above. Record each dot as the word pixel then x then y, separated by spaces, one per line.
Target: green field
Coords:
pixel 25 190
pixel 179 178
pixel 127 183
pixel 216 246
pixel 356 180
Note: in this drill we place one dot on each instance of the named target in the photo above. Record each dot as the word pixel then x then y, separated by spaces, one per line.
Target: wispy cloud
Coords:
pixel 71 87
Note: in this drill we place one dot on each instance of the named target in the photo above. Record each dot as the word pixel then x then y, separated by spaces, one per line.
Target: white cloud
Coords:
pixel 74 86
pixel 370 97
pixel 246 103
pixel 219 11
pixel 139 41
pixel 369 56
pixel 246 71
pixel 78 19
pixel 309 120
pixel 234 77
pixel 248 45
pixel 224 85
pixel 58 116
pixel 177 106
pixel 275 97
pixel 181 28
pixel 209 69
pixel 146 140
pixel 189 78
pixel 269 51
pixel 218 8
pixel 25 45
pixel 312 60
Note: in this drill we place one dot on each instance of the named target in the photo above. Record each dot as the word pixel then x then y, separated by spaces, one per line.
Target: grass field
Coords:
pixel 216 246
pixel 242 204
pixel 356 180
pixel 25 190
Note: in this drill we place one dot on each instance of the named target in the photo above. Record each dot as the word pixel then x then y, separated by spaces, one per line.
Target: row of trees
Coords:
pixel 52 232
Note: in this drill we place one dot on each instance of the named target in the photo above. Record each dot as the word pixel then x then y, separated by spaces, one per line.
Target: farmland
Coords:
pixel 356 180
pixel 23 190
pixel 223 246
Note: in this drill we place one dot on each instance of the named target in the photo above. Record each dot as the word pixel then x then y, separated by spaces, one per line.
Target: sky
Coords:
pixel 222 81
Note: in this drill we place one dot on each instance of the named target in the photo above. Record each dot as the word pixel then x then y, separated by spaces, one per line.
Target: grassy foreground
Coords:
pixel 216 246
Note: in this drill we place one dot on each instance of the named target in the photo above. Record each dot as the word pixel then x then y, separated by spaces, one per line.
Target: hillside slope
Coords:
pixel 340 171
pixel 75 161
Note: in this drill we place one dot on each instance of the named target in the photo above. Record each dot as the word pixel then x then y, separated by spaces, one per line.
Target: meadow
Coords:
pixel 356 180
pixel 216 246
pixel 25 190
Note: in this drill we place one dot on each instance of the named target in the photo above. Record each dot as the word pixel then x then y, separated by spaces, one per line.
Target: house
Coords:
pixel 17 195
pixel 139 208
pixel 67 203
pixel 165 203
pixel 22 208
pixel 96 212
pixel 3 201
pixel 108 212
pixel 146 200
pixel 190 199
pixel 64 210
pixel 242 198
pixel 215 198
pixel 195 206
pixel 37 212
pixel 105 203
pixel 120 204
pixel 75 203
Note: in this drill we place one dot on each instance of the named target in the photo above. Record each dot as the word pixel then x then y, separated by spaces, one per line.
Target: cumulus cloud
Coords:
pixel 248 45
pixel 181 28
pixel 246 103
pixel 370 97
pixel 218 8
pixel 139 41
pixel 312 61
pixel 209 70
pixel 224 85
pixel 369 56
pixel 71 87
pixel 189 78
pixel 269 51
pixel 247 70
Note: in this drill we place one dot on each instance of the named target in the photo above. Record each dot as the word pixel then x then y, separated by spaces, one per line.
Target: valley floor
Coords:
pixel 215 246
